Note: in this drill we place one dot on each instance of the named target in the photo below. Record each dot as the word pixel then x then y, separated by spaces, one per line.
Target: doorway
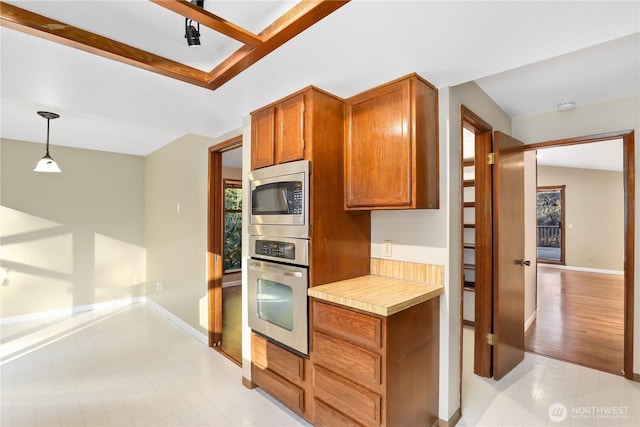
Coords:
pixel 477 275
pixel 498 257
pixel 584 308
pixel 224 248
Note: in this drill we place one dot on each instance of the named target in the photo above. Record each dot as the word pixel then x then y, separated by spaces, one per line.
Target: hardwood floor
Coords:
pixel 232 322
pixel 580 319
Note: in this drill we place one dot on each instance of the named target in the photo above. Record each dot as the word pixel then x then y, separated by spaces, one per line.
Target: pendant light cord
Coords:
pixel 47 148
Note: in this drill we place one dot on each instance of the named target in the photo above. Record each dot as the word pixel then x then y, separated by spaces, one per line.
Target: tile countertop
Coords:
pixel 376 294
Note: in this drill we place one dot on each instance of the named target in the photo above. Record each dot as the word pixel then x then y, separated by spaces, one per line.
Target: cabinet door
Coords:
pixel 262 138
pixel 379 148
pixel 289 144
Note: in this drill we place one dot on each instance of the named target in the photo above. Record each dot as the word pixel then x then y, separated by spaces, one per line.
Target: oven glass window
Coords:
pixel 279 198
pixel 275 303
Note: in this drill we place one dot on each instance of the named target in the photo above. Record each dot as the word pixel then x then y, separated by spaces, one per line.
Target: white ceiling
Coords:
pixel 603 155
pixel 528 56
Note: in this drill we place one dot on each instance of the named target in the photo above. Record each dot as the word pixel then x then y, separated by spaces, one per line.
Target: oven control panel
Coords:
pixel 284 249
pixel 276 249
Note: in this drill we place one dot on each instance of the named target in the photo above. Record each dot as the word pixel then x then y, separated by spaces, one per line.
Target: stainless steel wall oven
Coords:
pixel 278 270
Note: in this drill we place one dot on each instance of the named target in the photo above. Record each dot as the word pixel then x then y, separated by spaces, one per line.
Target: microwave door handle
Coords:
pixel 257 266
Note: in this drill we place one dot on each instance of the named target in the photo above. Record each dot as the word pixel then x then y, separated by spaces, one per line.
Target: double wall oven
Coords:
pixel 278 268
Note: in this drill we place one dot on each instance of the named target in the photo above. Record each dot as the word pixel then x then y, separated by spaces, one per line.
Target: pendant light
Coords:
pixel 47 164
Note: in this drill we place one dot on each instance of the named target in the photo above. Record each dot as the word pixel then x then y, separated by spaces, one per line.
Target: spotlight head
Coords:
pixel 192 34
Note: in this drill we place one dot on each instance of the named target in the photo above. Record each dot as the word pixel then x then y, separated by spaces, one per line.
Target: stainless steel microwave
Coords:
pixel 279 201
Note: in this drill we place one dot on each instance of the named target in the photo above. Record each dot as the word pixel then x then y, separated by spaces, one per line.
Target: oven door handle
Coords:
pixel 257 266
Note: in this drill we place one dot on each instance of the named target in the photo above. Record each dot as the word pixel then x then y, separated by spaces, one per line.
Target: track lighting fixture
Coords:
pixel 47 164
pixel 191 33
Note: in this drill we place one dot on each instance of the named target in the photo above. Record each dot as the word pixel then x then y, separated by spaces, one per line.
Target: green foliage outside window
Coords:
pixel 232 225
pixel 549 215
pixel 549 208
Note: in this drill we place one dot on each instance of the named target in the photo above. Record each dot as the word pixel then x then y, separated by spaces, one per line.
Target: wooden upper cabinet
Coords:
pixel 262 137
pixel 391 151
pixel 289 145
pixel 278 133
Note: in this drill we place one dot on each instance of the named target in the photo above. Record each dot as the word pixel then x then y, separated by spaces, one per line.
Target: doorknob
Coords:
pixel 525 262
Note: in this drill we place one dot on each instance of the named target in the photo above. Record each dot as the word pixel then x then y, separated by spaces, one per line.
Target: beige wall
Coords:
pixel 594 215
pixel 617 115
pixel 530 244
pixel 471 96
pixel 176 242
pixel 70 239
pixel 176 238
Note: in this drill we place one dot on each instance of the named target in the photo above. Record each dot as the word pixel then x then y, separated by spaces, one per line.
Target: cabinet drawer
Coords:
pixel 352 326
pixel 363 366
pixel 267 355
pixel 347 397
pixel 289 394
pixel 325 415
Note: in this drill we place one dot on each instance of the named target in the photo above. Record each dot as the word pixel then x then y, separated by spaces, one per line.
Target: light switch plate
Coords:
pixel 387 248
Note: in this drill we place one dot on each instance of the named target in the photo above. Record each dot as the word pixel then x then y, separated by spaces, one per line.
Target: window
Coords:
pixel 232 225
pixel 550 214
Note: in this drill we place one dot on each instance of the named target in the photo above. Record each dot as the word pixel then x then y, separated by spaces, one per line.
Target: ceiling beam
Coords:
pixel 40 26
pixel 302 16
pixel 210 20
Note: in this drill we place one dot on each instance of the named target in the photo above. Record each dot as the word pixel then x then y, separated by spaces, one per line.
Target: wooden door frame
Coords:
pixel 215 228
pixel 561 189
pixel 628 155
pixel 483 273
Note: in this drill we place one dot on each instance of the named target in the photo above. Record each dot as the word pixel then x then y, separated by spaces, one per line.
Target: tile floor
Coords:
pixel 133 367
pixel 546 392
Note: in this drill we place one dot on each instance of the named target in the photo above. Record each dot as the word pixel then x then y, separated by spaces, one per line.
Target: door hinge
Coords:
pixel 491 159
pixel 491 339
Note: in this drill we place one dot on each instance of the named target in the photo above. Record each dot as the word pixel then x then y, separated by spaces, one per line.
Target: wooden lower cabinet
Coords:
pixel 325 415
pixel 372 370
pixel 279 373
pixel 363 369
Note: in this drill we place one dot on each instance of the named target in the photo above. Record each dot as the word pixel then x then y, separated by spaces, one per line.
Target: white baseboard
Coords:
pixel 587 269
pixel 71 310
pixel 530 321
pixel 179 322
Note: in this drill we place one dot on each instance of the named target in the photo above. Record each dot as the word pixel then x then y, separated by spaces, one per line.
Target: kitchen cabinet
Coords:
pixel 263 137
pixel 278 132
pixel 391 151
pixel 281 131
pixel 374 370
pixel 309 125
pixel 279 372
